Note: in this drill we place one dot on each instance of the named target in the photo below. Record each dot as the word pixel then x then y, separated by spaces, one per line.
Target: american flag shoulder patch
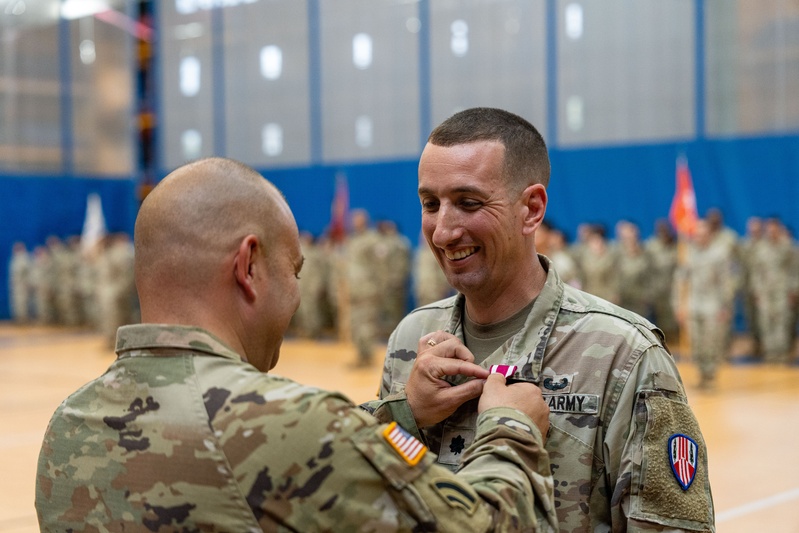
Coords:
pixel 405 444
pixel 505 370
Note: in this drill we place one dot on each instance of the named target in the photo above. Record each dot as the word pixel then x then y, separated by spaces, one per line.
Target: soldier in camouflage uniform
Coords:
pixel 19 283
pixel 706 276
pixel 748 245
pixel 429 282
pixel 635 271
pixel 363 282
pixel 310 315
pixel 662 250
pixel 394 269
pixel 618 406
pixel 186 431
pixel 600 267
pixel 774 288
pixel 43 285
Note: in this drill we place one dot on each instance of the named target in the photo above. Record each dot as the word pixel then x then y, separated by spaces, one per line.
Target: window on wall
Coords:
pixel 489 54
pixel 370 79
pixel 92 118
pixel 752 68
pixel 625 71
pixel 30 99
pixel 266 82
pixel 103 92
pixel 187 96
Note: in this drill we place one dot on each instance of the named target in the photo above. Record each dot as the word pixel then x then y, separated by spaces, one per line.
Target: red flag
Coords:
pixel 339 210
pixel 683 214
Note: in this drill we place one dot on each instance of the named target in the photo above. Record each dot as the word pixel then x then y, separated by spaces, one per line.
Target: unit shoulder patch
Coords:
pixel 683 453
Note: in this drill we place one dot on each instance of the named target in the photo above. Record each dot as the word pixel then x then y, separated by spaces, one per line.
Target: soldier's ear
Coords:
pixel 244 266
pixel 534 203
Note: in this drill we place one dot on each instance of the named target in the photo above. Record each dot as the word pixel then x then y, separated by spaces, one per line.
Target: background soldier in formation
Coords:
pixel 363 283
pixel 662 250
pixel 748 250
pixel 774 288
pixel 635 270
pixel 394 269
pixel 310 317
pixel 19 283
pixel 599 265
pixel 707 309
pixel 429 282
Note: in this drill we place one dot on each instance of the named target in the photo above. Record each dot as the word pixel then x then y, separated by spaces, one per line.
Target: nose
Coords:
pixel 444 225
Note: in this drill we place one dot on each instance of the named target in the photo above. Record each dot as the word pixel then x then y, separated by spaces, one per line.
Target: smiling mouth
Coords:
pixel 460 254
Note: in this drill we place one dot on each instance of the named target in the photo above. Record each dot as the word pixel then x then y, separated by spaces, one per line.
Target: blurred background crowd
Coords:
pixel 357 286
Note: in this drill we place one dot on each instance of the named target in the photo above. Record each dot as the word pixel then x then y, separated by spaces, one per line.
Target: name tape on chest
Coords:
pixel 405 444
pixel 584 404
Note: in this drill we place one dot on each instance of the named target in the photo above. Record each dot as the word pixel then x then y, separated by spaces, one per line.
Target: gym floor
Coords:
pixel 749 420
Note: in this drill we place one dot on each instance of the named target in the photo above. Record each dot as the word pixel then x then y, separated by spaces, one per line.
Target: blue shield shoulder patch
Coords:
pixel 683 459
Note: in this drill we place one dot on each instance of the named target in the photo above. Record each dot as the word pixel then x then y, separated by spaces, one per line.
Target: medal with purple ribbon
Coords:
pixel 505 370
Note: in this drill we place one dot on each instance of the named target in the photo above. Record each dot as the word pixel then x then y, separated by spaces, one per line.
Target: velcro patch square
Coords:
pixel 406 445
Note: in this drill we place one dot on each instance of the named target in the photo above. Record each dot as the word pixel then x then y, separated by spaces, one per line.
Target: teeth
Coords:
pixel 459 254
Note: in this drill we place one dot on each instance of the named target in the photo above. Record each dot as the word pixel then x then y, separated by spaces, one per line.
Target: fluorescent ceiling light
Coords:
pixel 75 9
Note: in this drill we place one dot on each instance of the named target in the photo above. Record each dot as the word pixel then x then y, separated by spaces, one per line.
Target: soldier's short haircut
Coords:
pixel 526 159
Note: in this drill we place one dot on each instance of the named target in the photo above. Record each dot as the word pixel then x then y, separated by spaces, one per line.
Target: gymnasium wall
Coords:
pixel 313 92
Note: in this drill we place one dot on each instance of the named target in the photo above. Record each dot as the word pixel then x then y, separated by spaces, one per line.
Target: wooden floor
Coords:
pixel 749 421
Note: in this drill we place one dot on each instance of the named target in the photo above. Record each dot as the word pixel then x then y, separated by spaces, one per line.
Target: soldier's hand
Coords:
pixel 430 397
pixel 524 397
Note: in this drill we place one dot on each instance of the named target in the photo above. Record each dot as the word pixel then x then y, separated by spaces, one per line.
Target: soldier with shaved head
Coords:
pixel 186 431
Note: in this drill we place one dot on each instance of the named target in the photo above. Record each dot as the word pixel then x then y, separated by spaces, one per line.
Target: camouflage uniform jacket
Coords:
pixel 180 434
pixel 616 401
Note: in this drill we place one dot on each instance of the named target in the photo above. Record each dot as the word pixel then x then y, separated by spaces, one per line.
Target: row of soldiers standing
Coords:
pixel 64 283
pixel 693 288
pixel 359 288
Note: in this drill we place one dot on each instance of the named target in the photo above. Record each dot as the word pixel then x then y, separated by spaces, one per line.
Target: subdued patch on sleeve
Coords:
pixel 662 499
pixel 456 495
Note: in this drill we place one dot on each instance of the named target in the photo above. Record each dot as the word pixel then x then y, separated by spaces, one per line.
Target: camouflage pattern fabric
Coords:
pixel 615 398
pixel 180 434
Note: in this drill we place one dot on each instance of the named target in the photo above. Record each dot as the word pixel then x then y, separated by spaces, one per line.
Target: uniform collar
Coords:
pixel 525 349
pixel 167 339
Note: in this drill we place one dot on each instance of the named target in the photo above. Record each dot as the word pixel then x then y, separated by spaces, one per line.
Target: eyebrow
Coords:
pixel 462 189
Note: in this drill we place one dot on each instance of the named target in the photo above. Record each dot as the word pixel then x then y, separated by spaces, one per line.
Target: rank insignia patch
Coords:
pixel 505 370
pixel 683 459
pixel 404 443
